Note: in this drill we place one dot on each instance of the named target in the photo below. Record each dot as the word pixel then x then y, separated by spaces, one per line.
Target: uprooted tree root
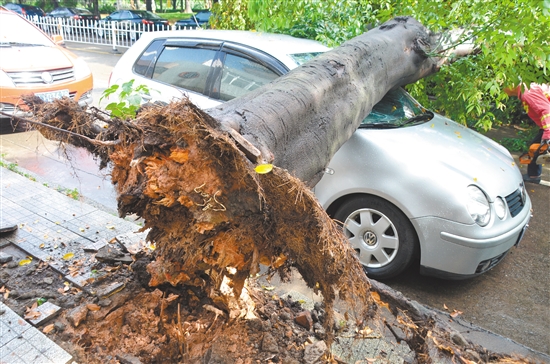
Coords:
pixel 214 220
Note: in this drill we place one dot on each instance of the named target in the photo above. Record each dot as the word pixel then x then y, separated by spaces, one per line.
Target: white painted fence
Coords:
pixel 115 34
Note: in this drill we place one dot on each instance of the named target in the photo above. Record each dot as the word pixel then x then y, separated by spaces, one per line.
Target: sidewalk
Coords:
pixel 53 226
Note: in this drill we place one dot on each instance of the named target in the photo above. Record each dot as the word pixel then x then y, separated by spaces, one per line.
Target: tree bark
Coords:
pixel 188 7
pixel 300 120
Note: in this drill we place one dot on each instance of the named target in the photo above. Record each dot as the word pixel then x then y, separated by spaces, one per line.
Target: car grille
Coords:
pixel 515 202
pixel 35 78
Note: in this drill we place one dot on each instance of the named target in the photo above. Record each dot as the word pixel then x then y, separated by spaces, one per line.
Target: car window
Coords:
pixel 394 108
pixel 183 67
pixel 203 16
pixel 128 15
pixel 241 75
pixel 11 7
pixel 116 15
pixel 145 64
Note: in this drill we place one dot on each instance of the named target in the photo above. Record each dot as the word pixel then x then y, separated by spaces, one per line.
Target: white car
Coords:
pixel 210 66
pixel 409 185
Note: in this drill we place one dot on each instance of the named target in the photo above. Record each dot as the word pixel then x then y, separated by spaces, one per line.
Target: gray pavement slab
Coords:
pixel 20 342
pixel 53 228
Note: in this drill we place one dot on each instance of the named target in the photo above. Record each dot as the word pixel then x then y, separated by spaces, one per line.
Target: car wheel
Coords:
pixel 382 236
pixel 99 31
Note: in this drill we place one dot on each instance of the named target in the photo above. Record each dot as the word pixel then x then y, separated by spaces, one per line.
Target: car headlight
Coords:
pixel 500 208
pixel 5 80
pixel 81 69
pixel 478 206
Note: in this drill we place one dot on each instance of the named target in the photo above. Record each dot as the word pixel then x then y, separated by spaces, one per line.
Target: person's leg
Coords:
pixel 534 170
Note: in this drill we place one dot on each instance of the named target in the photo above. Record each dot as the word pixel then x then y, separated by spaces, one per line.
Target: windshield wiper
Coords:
pixel 379 126
pixel 428 115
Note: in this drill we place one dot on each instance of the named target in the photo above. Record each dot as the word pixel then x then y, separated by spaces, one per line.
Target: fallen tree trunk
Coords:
pixel 299 121
pixel 192 174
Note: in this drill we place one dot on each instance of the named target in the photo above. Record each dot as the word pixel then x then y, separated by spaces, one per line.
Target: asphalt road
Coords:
pixel 512 300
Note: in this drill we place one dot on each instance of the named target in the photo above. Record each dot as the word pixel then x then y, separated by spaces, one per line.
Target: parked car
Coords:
pixel 199 20
pixel 32 63
pixel 409 184
pixel 132 23
pixel 178 63
pixel 25 10
pixel 77 15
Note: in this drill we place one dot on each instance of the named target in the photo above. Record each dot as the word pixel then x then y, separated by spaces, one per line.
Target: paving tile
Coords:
pixel 47 311
pixel 13 322
pixel 42 344
pixel 22 343
pixel 7 333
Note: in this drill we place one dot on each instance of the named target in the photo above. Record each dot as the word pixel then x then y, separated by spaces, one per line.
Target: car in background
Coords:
pixel 132 23
pixel 32 63
pixel 199 20
pixel 408 186
pixel 25 10
pixel 77 15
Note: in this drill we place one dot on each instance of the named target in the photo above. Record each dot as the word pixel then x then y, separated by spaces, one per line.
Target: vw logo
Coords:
pixel 370 238
pixel 47 77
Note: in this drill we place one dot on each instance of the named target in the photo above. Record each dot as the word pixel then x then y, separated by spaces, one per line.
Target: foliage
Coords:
pixel 129 97
pixel 511 38
pixel 15 168
pixel 107 9
pixel 231 14
pixel 523 140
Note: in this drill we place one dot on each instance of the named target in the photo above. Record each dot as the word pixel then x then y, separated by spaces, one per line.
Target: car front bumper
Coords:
pixel 454 256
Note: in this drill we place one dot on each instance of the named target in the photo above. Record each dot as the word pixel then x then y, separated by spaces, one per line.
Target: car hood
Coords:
pixel 450 153
pixel 423 169
pixel 18 59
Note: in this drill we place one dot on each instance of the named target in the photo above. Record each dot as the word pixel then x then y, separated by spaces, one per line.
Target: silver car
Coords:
pixel 409 183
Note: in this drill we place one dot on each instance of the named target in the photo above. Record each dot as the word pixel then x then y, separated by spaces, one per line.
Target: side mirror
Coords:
pixel 58 39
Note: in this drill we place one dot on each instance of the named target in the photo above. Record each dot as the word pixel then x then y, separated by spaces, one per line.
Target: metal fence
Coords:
pixel 112 33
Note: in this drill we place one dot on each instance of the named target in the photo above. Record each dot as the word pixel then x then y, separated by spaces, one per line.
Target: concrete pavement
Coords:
pixel 51 225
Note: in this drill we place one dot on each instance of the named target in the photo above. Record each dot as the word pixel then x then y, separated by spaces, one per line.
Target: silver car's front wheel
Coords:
pixel 382 236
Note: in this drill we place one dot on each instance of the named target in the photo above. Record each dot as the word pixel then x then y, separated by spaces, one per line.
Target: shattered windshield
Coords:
pixel 16 31
pixel 396 109
pixel 301 58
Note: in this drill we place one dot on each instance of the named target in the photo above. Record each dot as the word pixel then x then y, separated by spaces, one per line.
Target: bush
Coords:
pixel 107 9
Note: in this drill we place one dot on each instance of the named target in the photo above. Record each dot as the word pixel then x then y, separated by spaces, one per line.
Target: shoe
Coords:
pixel 530 179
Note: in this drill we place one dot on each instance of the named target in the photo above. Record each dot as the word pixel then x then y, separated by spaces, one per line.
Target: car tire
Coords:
pixel 380 233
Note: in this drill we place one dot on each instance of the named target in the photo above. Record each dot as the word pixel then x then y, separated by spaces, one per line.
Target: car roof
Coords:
pixel 277 45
